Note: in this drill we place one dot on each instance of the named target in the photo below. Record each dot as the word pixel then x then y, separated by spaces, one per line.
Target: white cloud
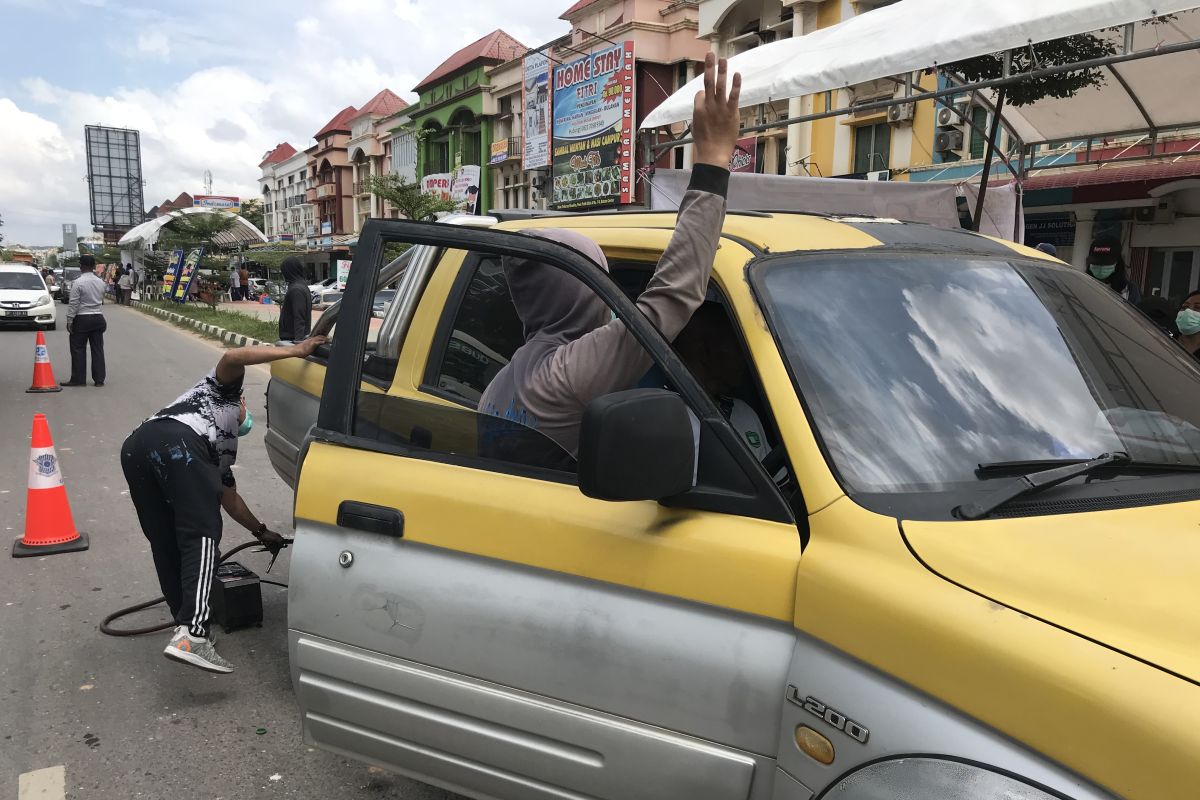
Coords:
pixel 155 44
pixel 284 70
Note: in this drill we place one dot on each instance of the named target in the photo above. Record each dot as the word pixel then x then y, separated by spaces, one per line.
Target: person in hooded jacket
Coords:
pixel 295 315
pixel 574 350
pixel 1106 265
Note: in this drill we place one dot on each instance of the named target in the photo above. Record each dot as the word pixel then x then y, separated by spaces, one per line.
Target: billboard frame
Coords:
pixel 125 206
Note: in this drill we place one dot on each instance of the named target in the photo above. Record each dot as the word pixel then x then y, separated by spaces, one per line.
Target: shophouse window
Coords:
pixel 979 121
pixel 872 147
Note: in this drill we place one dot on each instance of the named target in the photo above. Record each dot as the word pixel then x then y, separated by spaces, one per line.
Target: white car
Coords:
pixel 24 298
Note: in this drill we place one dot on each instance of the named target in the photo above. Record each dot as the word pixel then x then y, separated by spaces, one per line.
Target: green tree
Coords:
pixel 197 230
pixel 1069 50
pixel 252 212
pixel 52 261
pixel 406 196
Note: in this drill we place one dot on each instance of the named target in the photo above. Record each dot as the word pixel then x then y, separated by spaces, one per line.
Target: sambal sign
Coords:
pixel 593 130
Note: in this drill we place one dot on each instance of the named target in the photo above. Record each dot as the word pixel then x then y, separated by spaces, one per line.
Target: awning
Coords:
pixel 1111 174
pixel 146 234
pixel 914 35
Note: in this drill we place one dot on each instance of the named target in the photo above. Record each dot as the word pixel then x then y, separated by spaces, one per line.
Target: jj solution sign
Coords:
pixel 536 100
pixel 592 151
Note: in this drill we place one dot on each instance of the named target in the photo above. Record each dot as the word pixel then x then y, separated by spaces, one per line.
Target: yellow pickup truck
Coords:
pixel 937 537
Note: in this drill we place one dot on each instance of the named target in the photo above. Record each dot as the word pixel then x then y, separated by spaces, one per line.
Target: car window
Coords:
pixel 20 280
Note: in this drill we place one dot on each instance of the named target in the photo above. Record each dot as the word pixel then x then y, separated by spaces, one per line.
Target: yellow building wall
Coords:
pixel 824 130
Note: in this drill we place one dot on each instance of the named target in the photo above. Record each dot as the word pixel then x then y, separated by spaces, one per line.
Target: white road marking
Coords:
pixel 43 784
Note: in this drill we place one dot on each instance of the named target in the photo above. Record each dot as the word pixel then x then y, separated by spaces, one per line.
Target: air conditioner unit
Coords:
pixel 902 113
pixel 948 117
pixel 948 141
pixel 1161 213
pixel 880 175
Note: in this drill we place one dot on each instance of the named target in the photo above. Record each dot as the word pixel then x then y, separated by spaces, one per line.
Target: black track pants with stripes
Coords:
pixel 176 488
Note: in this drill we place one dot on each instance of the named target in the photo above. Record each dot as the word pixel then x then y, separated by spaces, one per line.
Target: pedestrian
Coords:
pixel 125 286
pixel 86 324
pixel 244 281
pixel 1106 265
pixel 295 315
pixel 178 464
pixel 235 284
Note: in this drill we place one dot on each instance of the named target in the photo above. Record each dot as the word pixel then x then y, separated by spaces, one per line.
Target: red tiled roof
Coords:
pixel 497 47
pixel 183 201
pixel 579 6
pixel 282 152
pixel 341 122
pixel 385 103
pixel 1114 173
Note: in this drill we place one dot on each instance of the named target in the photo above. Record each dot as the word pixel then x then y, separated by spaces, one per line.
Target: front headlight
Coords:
pixel 44 300
pixel 931 779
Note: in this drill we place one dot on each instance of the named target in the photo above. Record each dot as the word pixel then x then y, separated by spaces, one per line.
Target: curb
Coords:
pixel 229 337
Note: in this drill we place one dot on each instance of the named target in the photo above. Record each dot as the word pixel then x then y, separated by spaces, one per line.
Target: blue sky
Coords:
pixel 210 85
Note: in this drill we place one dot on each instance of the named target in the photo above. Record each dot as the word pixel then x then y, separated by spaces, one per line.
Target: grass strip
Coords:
pixel 255 328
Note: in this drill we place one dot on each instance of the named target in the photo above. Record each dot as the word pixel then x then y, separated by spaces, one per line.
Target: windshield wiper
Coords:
pixel 1033 483
pixel 998 468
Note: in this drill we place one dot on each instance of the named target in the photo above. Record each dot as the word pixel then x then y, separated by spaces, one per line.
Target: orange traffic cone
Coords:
pixel 49 527
pixel 43 373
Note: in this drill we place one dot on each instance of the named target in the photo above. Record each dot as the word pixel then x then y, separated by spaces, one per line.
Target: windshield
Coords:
pixel 918 368
pixel 20 280
pixel 71 274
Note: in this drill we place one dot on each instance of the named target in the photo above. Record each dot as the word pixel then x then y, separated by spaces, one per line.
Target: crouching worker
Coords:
pixel 178 466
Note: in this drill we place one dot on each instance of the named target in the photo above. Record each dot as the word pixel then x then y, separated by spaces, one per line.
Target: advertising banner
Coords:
pixel 460 187
pixel 187 274
pixel 171 276
pixel 536 100
pixel 745 154
pixel 343 274
pixel 499 152
pixel 225 203
pixel 592 146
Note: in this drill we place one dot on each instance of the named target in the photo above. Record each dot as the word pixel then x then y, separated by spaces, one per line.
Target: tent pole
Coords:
pixel 987 158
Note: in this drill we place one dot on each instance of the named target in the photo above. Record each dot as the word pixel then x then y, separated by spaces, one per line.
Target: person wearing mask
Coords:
pixel 574 351
pixel 1106 265
pixel 1187 322
pixel 235 284
pixel 86 324
pixel 295 315
pixel 178 464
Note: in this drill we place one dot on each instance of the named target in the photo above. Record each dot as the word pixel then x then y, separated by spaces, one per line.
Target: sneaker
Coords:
pixel 195 651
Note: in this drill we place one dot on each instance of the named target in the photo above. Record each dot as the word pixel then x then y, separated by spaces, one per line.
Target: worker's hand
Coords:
pixel 715 119
pixel 68 327
pixel 272 541
pixel 305 349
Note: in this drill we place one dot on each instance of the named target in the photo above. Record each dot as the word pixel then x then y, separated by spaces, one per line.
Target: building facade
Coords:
pixel 370 152
pixel 452 122
pixel 331 178
pixel 287 214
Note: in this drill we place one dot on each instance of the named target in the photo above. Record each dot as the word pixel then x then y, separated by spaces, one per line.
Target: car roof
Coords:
pixel 789 231
pixel 11 267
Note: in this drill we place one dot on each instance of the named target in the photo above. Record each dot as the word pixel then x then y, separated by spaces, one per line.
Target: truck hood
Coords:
pixel 1127 579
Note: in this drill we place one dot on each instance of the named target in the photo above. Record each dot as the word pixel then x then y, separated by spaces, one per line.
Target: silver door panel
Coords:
pixel 451 728
pixel 702 671
pixel 292 412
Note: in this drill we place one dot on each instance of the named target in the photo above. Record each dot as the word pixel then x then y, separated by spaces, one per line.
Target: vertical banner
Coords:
pixel 171 276
pixel 191 265
pixel 592 145
pixel 343 274
pixel 536 100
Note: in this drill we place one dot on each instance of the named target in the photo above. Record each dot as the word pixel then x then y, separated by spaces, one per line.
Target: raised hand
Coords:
pixel 715 120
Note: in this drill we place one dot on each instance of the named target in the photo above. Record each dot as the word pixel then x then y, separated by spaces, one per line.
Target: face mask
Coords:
pixel 246 425
pixel 1188 321
pixel 1103 273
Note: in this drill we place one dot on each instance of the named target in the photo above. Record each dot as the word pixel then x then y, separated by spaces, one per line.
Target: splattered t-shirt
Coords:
pixel 211 409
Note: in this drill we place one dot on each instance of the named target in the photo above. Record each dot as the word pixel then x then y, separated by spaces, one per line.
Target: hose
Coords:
pixel 106 628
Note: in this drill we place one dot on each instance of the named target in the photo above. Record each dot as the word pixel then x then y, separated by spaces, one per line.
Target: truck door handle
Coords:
pixel 370 518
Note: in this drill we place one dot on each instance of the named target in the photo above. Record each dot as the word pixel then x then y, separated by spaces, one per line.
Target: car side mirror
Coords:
pixel 636 445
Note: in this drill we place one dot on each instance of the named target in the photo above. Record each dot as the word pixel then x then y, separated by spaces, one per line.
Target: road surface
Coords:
pixel 112 718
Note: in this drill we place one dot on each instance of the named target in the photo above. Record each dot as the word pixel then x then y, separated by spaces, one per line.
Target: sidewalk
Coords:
pixel 270 311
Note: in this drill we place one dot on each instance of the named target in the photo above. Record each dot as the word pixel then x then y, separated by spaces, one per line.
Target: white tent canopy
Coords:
pixel 914 35
pixel 146 234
